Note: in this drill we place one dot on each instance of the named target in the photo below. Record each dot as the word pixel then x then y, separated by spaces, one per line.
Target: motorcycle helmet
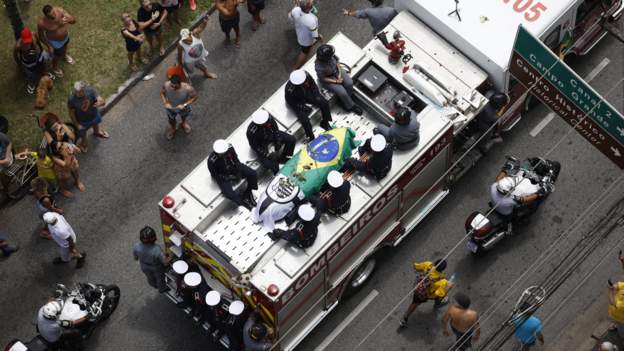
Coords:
pixel 440 264
pixel 498 100
pixel 325 52
pixel 403 116
pixel 258 331
pixel 147 235
pixel 51 310
pixel 506 185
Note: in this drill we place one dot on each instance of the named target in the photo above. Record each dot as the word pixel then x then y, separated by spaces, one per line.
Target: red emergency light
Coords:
pixel 273 290
pixel 168 201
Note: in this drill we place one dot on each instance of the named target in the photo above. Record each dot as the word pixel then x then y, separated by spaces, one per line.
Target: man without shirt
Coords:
pixel 464 323
pixel 229 18
pixel 53 28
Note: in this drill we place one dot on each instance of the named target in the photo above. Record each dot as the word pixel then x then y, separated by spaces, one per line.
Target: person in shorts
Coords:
pixel 134 37
pixel 172 7
pixel 191 51
pixel 32 56
pixel 306 27
pixel 83 105
pixel 229 18
pixel 528 332
pixel 53 28
pixel 255 7
pixel 65 237
pixel 151 16
pixel 177 97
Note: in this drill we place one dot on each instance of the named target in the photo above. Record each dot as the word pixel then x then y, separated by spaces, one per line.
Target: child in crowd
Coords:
pixel 134 37
pixel 66 166
pixel 45 165
pixel 45 202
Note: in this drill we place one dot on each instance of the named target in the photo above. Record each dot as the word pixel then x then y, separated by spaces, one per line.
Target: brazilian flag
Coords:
pixel 327 152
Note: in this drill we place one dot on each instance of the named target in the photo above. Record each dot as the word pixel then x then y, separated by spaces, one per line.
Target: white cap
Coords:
pixel 607 346
pixel 306 212
pixel 213 298
pixel 185 33
pixel 220 146
pixel 192 279
pixel 378 143
pixel 505 185
pixel 236 307
pixel 334 178
pixel 50 217
pixel 260 117
pixel 180 267
pixel 298 77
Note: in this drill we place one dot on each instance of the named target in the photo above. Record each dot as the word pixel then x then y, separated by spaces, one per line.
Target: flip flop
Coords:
pixel 162 52
pixel 81 186
pixel 58 73
pixel 186 128
pixel 103 135
pixel 210 76
pixel 69 59
pixel 169 134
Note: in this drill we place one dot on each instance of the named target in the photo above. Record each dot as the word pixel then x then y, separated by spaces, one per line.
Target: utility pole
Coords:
pixel 14 16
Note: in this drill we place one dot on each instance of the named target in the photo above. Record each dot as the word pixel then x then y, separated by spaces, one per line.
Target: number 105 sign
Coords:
pixel 532 10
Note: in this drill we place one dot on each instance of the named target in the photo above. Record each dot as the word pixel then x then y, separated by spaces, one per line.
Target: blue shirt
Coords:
pixel 526 331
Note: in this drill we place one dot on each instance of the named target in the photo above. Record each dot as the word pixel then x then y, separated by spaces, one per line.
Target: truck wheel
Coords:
pixel 361 275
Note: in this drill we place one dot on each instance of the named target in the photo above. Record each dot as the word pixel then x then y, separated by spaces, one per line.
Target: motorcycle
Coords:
pixel 95 301
pixel 488 228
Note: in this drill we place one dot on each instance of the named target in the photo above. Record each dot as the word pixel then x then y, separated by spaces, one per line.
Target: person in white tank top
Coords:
pixel 191 51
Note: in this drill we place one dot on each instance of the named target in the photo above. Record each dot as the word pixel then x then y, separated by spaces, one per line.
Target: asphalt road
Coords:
pixel 127 175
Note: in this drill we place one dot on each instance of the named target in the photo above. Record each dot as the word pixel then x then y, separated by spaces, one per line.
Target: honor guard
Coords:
pixel 267 141
pixel 378 159
pixel 302 90
pixel 226 170
pixel 305 231
pixel 336 194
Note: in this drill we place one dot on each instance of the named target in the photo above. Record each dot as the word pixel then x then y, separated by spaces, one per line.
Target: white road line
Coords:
pixel 328 340
pixel 549 117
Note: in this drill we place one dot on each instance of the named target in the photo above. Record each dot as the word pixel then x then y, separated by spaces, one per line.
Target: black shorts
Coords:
pixel 152 32
pixel 254 7
pixel 229 24
pixel 172 9
pixel 306 49
pixel 417 299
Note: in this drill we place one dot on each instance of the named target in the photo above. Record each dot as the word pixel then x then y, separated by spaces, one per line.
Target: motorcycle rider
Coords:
pixel 404 130
pixel 304 233
pixel 151 258
pixel 264 132
pixel 225 168
pixel 501 193
pixel 57 332
pixel 336 194
pixel 378 160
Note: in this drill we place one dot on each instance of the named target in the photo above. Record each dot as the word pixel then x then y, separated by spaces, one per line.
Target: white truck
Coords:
pixel 444 81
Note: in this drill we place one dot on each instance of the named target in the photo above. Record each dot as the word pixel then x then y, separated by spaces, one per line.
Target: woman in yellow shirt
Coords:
pixel 45 164
pixel 431 284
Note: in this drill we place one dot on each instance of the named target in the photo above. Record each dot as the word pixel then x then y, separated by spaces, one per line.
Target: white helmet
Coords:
pixel 236 307
pixel 298 77
pixel 506 185
pixel 192 279
pixel 213 298
pixel 180 267
pixel 220 146
pixel 378 143
pixel 334 178
pixel 51 310
pixel 306 212
pixel 260 117
pixel 607 346
pixel 50 217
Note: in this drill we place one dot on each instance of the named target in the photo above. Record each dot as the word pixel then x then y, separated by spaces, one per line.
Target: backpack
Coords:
pixel 423 283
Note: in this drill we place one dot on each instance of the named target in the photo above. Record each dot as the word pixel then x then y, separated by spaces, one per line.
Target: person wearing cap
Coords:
pixel 501 193
pixel 229 18
pixel 234 324
pixel 376 158
pixel 226 169
pixel 191 50
pixel 83 105
pixel 334 78
pixel 404 131
pixel 194 292
pixel 53 28
pixel 335 194
pixel 256 334
pixel 151 258
pixel 378 16
pixel 58 332
pixel 304 233
pixel 213 313
pixel 31 55
pixel 65 237
pixel 263 134
pixel 177 96
pixel 608 346
pixel 306 27
pixel 302 90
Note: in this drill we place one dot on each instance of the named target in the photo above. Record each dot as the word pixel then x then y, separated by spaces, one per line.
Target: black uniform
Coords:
pixel 261 136
pixel 377 165
pixel 304 233
pixel 226 169
pixel 297 96
pixel 337 201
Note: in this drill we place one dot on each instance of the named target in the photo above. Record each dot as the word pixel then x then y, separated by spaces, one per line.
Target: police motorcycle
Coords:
pixel 95 301
pixel 533 176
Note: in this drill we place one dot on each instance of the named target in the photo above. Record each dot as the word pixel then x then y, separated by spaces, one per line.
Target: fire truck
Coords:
pixel 443 76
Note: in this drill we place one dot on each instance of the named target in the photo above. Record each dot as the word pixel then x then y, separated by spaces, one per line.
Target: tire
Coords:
pixel 361 275
pixel 111 301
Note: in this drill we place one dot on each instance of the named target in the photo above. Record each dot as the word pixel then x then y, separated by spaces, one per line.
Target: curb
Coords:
pixel 125 88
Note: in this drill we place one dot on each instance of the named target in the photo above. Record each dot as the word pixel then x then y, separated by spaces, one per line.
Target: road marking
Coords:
pixel 549 117
pixel 328 340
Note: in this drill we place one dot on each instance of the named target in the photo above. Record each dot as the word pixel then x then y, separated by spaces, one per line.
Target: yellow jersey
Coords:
pixel 438 287
pixel 616 310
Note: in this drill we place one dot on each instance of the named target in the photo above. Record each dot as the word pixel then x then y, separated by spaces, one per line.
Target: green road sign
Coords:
pixel 568 95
